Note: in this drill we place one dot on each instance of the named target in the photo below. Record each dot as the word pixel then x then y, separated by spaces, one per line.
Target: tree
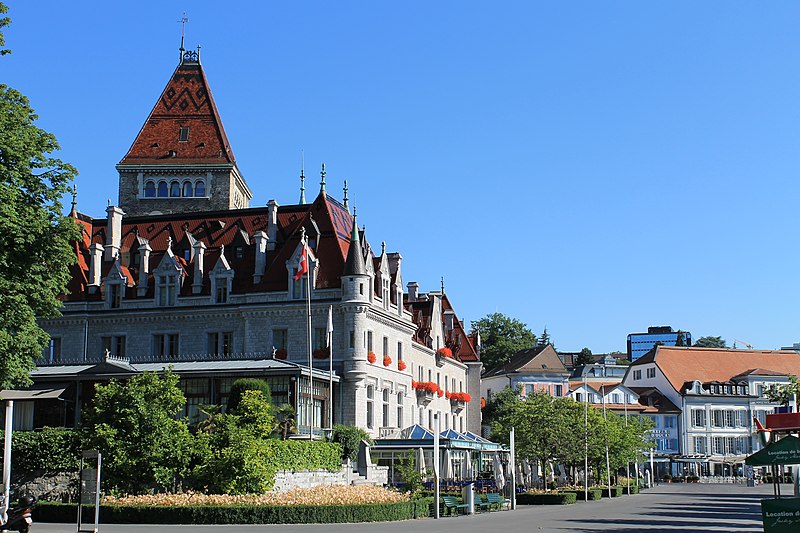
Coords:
pixel 350 438
pixel 285 421
pixel 585 357
pixel 501 338
pixel 784 394
pixel 710 342
pixel 544 338
pixel 35 251
pixel 134 425
pixel 240 386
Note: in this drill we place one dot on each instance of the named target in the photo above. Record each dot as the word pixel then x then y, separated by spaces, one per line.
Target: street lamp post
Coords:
pixel 585 439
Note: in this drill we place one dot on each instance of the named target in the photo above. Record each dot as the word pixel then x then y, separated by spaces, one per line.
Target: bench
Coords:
pixel 495 499
pixel 451 504
pixel 482 503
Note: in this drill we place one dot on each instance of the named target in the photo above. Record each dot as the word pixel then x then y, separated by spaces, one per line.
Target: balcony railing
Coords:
pixel 148 358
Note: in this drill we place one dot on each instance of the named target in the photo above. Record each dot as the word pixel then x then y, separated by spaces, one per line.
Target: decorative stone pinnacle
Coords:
pixel 322 182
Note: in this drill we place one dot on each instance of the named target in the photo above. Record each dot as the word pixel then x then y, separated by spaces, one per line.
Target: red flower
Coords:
pixel 281 354
pixel 371 357
pixel 414 384
pixel 387 360
pixel 445 352
pixel 428 386
pixel 440 392
pixel 483 403
pixel 448 395
pixel 401 365
pixel 461 397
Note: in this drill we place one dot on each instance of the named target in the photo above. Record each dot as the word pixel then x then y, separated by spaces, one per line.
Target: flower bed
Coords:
pixel 339 504
pixel 546 498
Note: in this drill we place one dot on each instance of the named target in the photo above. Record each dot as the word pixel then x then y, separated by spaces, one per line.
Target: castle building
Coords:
pixel 183 272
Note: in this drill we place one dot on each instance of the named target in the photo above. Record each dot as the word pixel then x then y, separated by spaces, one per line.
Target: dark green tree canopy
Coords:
pixel 35 252
pixel 501 338
pixel 584 357
pixel 710 342
pixel 241 385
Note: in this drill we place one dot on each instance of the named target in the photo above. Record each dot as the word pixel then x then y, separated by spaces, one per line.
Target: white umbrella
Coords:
pixel 537 477
pixel 520 478
pixel 526 470
pixel 562 476
pixel 468 475
pixel 445 473
pixel 421 460
pixel 550 477
pixel 499 477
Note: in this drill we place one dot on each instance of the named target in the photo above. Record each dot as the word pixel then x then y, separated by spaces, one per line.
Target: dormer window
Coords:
pixel 167 290
pixel 183 136
pixel 114 295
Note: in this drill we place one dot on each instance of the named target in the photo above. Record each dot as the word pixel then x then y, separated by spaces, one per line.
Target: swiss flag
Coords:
pixel 302 267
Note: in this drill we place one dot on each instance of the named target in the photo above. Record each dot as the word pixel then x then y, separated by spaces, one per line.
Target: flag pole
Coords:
pixel 308 337
pixel 330 368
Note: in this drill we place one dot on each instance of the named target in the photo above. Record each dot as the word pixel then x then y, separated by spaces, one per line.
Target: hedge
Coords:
pixel 594 494
pixel 49 450
pixel 240 514
pixel 550 498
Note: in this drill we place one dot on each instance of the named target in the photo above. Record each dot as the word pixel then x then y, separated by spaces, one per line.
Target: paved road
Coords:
pixel 668 508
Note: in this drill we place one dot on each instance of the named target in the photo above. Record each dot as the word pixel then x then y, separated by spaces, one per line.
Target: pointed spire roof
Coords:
pixel 355 261
pixel 184 127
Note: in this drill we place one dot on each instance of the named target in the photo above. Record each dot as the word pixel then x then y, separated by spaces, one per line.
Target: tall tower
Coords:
pixel 181 160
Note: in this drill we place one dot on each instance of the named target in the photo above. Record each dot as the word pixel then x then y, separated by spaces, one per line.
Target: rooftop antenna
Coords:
pixel 184 19
pixel 302 178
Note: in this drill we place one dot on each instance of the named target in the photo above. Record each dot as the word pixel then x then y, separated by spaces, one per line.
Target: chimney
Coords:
pixel 413 291
pixel 272 224
pixel 262 241
pixel 144 268
pixel 199 270
pixel 95 266
pixel 113 231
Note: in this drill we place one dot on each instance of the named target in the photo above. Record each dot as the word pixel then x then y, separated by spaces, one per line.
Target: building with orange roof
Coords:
pixel 719 393
pixel 184 272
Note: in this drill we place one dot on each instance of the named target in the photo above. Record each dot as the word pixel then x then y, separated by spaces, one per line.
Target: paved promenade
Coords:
pixel 667 508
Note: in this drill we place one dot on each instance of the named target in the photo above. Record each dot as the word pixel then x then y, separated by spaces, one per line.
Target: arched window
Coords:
pixel 187 188
pixel 174 189
pixel 162 189
pixel 150 189
pixel 200 188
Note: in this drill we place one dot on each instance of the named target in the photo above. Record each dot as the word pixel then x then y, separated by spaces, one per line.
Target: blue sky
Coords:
pixel 591 167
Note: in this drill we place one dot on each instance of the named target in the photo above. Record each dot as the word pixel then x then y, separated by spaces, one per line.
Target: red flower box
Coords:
pixel 321 353
pixel 461 397
pixel 387 360
pixel 414 384
pixel 371 357
pixel 401 365
pixel 440 392
pixel 281 354
pixel 445 352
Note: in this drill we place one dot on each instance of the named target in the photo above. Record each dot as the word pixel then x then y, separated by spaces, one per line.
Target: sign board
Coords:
pixel 89 488
pixel 782 452
pixel 781 515
pixel 783 422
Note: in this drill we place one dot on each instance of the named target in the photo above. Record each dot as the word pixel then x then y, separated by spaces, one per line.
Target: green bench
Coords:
pixel 453 504
pixel 482 503
pixel 496 500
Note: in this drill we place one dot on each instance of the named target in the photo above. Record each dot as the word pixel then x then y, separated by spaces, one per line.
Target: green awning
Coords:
pixel 783 452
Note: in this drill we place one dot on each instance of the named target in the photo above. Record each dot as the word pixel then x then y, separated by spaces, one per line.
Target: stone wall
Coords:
pixel 60 487
pixel 287 480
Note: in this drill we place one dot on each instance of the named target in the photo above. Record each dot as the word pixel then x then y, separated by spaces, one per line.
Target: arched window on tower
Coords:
pixel 187 188
pixel 174 189
pixel 200 188
pixel 162 189
pixel 150 189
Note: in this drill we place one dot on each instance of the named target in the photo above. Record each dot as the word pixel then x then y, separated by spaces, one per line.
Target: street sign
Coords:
pixel 89 488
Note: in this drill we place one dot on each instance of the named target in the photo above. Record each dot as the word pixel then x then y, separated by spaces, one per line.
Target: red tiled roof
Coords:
pixel 684 364
pixel 185 102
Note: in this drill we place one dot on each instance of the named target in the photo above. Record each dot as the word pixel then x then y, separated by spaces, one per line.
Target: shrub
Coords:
pixel 594 494
pixel 410 474
pixel 349 437
pixel 49 451
pixel 240 514
pixel 244 384
pixel 550 498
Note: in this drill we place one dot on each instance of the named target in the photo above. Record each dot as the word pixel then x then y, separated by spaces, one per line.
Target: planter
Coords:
pixel 457 405
pixel 425 396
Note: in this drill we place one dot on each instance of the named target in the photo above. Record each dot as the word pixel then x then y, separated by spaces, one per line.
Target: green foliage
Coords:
pixel 35 252
pixel 50 450
pixel 499 403
pixel 285 421
pixel 248 464
pixel 551 498
pixel 244 384
pixel 544 338
pixel 784 394
pixel 501 338
pixel 4 21
pixel 593 493
pixel 407 468
pixel 350 438
pixel 710 342
pixel 584 357
pixel 240 514
pixel 132 423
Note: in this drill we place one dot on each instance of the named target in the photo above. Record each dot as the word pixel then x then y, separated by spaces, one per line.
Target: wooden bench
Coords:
pixel 495 499
pixel 482 503
pixel 451 504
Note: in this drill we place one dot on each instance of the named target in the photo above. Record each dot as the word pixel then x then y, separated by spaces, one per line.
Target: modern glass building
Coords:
pixel 641 343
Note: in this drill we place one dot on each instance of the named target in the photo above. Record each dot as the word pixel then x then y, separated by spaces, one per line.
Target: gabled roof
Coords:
pixel 186 102
pixel 686 364
pixel 540 359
